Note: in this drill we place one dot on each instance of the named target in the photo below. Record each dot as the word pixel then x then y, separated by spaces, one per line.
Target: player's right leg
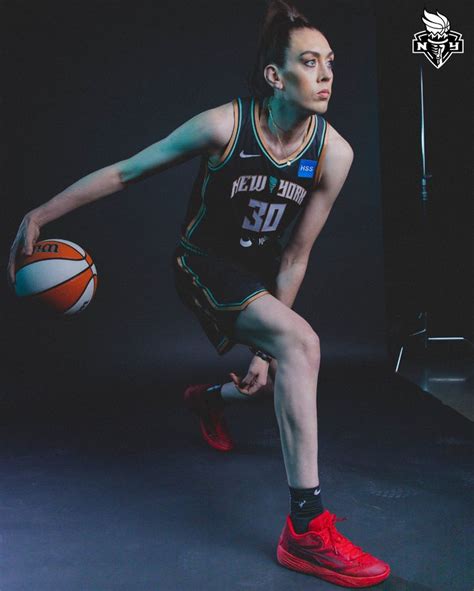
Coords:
pixel 318 548
pixel 268 324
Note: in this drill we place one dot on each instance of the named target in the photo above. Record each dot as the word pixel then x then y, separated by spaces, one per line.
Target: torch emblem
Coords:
pixel 438 42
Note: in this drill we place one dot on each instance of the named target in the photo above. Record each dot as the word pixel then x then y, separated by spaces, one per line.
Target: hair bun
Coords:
pixel 280 18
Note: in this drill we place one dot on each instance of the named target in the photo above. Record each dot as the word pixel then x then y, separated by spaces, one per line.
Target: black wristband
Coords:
pixel 261 354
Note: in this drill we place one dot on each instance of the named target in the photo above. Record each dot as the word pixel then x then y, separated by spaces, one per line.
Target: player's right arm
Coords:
pixel 205 133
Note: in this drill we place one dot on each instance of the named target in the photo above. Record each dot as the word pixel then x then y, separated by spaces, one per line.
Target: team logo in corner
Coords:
pixel 438 42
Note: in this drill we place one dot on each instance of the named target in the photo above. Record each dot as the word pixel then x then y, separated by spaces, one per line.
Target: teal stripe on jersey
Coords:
pixel 186 244
pixel 222 342
pixel 323 135
pixel 202 210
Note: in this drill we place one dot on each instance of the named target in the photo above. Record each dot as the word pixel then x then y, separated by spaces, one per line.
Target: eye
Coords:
pixel 330 64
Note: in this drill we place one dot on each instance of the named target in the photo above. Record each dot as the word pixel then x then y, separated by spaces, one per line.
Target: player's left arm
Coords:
pixel 295 256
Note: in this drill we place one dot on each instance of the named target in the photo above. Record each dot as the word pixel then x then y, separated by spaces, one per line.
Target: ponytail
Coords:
pixel 279 20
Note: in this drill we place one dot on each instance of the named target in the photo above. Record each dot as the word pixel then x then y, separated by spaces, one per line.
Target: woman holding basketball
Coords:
pixel 265 159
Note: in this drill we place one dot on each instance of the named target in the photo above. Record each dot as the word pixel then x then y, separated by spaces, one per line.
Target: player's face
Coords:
pixel 308 70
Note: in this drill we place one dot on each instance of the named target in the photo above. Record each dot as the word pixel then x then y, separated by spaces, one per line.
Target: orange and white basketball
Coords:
pixel 59 274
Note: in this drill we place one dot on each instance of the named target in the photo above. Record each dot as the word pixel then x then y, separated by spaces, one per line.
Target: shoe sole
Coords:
pixel 292 562
pixel 211 441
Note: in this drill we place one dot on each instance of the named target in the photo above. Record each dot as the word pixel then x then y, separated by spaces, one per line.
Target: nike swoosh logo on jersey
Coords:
pixel 242 155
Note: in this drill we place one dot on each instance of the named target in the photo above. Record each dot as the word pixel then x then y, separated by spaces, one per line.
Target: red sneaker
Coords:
pixel 325 553
pixel 211 417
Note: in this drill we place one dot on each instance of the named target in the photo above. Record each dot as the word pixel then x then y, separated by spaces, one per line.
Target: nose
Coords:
pixel 324 73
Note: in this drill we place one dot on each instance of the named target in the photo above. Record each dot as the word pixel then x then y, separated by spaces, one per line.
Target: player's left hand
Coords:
pixel 255 379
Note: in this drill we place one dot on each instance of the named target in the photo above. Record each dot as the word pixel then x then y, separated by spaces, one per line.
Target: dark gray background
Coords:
pixel 432 272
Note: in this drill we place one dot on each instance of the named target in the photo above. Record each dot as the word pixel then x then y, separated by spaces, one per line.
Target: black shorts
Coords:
pixel 217 288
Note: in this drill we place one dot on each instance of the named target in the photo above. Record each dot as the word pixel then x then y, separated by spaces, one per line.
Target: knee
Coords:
pixel 311 347
pixel 305 342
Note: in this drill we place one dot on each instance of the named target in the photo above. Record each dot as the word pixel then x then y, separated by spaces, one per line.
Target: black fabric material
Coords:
pixel 305 505
pixel 249 200
pixel 216 289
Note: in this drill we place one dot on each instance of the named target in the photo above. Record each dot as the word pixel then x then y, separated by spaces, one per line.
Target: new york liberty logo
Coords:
pixel 272 182
pixel 438 42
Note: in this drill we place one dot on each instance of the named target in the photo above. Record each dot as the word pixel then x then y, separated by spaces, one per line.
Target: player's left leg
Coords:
pixel 216 290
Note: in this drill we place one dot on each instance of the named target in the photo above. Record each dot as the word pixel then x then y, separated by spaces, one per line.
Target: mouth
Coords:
pixel 323 95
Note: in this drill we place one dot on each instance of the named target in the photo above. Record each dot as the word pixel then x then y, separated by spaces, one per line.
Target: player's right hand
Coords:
pixel 25 238
pixel 255 379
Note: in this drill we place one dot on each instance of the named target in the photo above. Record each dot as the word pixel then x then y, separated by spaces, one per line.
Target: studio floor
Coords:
pixel 121 494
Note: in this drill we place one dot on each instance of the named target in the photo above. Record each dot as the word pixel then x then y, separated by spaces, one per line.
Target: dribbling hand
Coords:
pixel 25 238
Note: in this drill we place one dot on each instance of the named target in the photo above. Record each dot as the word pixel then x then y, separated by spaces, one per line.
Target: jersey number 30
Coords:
pixel 265 216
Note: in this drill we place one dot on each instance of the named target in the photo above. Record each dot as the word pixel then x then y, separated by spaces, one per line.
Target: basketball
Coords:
pixel 59 275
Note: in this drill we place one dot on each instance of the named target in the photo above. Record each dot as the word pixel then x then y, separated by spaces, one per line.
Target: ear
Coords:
pixel 272 76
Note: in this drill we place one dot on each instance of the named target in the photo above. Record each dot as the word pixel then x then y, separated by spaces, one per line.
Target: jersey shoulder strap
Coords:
pixel 240 108
pixel 320 143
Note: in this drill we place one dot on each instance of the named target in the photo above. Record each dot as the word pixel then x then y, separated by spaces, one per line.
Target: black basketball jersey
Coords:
pixel 242 205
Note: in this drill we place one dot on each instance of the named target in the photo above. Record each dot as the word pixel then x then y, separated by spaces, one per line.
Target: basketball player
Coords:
pixel 265 159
